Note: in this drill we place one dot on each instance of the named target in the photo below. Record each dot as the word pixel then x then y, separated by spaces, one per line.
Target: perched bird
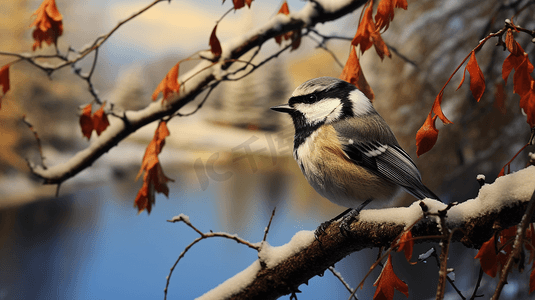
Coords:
pixel 346 150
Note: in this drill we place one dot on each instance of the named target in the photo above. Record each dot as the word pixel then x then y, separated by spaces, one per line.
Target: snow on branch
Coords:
pixel 206 75
pixel 281 270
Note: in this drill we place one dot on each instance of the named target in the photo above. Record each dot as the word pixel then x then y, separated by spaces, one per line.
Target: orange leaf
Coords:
pixel 513 61
pixel 168 85
pixel 427 136
pixel 238 4
pixel 522 78
pixel 438 110
pixel 488 257
pixel 296 39
pixel 366 27
pixel 511 44
pixel 385 12
pixel 477 81
pixel 215 46
pixel 249 2
pixel 100 120
pixel 285 11
pixel 406 243
pixel 284 8
pixel 368 35
pixel 48 24
pixel 527 103
pixel 4 81
pixel 500 98
pixel 502 172
pixel 86 122
pixel 352 73
pixel 387 282
pixel 154 179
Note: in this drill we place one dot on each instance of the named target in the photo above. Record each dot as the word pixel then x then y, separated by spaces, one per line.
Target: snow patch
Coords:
pixel 272 256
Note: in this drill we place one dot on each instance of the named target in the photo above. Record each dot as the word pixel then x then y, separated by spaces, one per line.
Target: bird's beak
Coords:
pixel 285 108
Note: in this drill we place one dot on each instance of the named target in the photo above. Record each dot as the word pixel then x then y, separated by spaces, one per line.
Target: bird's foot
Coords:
pixel 345 223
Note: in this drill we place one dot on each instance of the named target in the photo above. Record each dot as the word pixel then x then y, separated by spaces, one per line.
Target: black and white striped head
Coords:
pixel 325 100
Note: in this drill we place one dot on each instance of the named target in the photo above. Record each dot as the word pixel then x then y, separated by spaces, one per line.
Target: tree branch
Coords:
pixel 503 202
pixel 313 13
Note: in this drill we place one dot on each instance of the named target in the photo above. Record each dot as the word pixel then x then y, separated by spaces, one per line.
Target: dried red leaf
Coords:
pixel 500 98
pixel 238 4
pixel 366 27
pixel 215 45
pixel 48 24
pixel 249 2
pixel 513 61
pixel 352 73
pixel 488 257
pixel 406 243
pixel 154 179
pixel 427 136
pixel 168 85
pixel 100 120
pixel 387 282
pixel 385 12
pixel 285 10
pixel 527 103
pixel 86 122
pixel 477 81
pixel 522 78
pixel 437 109
pixel 511 44
pixel 4 81
pixel 368 35
pixel 296 39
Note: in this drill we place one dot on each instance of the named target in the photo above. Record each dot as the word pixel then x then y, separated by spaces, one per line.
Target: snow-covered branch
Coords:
pixel 205 75
pixel 281 270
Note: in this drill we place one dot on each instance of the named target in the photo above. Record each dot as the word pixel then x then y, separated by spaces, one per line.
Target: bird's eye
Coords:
pixel 310 98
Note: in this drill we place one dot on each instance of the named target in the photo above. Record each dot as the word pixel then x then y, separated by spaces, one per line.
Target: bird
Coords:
pixel 346 150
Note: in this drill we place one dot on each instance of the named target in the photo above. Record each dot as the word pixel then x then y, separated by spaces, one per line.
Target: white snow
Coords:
pixel 272 256
pixel 233 284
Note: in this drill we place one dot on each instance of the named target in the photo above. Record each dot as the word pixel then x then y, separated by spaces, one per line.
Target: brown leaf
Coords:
pixel 100 120
pixel 522 77
pixel 488 257
pixel 527 103
pixel 48 24
pixel 238 4
pixel 168 85
pixel 368 35
pixel 437 109
pixel 86 122
pixel 4 81
pixel 427 136
pixel 511 44
pixel 154 179
pixel 215 45
pixel 406 243
pixel 387 282
pixel 353 74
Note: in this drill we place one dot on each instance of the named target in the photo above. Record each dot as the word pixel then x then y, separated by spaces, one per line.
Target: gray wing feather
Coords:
pixel 385 158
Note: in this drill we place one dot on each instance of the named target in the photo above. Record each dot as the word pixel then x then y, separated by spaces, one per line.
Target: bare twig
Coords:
pixel 203 236
pixel 269 225
pixel 30 126
pixel 339 276
pixel 478 283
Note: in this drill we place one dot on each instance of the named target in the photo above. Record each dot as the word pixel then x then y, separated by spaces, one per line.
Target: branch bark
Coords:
pixel 472 222
pixel 205 75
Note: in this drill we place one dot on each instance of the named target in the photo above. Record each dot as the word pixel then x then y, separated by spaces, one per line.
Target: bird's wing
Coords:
pixel 387 159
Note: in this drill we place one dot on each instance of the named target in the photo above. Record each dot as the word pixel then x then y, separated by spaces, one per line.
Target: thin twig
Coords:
pixel 269 224
pixel 30 126
pixel 478 283
pixel 339 276
pixel 203 236
pixel 517 247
